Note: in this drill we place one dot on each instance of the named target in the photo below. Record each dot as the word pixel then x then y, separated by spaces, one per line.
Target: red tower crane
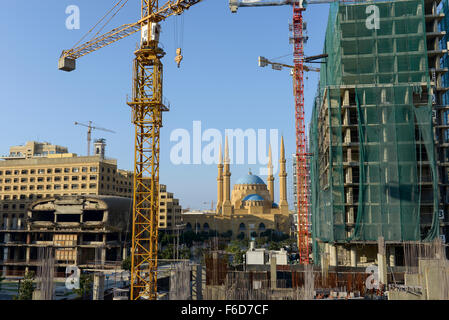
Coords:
pixel 302 186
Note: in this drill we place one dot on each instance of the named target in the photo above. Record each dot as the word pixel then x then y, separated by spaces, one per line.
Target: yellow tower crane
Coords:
pixel 147 107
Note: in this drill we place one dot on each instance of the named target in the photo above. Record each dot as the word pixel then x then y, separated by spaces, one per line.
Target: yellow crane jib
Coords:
pixel 147 108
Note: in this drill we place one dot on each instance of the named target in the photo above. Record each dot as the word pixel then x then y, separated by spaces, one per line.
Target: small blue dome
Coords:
pixel 250 179
pixel 253 197
pixel 274 205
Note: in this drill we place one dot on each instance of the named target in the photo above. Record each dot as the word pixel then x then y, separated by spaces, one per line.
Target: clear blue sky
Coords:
pixel 219 82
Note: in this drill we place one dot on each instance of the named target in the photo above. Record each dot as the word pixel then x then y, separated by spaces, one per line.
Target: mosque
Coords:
pixel 250 207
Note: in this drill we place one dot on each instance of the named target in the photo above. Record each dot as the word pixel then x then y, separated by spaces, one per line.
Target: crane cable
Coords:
pixel 99 21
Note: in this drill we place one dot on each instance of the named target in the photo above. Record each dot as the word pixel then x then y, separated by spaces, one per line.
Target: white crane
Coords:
pixel 89 132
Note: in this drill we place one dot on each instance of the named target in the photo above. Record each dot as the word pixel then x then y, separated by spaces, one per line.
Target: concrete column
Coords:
pixel 98 288
pixel 333 255
pixel 353 257
pixel 273 273
pixel 392 256
pixel 382 265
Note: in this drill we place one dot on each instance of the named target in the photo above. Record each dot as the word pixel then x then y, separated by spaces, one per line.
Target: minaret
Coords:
pixel 283 204
pixel 226 182
pixel 270 178
pixel 220 182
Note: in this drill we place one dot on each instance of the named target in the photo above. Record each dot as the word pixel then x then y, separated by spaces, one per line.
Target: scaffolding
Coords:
pixel 373 168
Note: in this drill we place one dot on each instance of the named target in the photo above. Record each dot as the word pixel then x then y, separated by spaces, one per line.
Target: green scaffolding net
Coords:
pixel 373 168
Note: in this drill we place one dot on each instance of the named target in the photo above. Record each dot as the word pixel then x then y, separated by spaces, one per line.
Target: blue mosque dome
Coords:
pixel 250 179
pixel 275 205
pixel 253 197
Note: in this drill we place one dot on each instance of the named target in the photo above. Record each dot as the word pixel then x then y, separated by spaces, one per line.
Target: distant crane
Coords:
pixel 89 133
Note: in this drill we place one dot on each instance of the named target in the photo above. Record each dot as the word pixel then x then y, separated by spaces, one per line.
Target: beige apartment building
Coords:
pixel 41 170
pixel 169 211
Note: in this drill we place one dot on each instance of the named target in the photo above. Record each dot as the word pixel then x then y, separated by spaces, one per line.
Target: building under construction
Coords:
pixel 379 130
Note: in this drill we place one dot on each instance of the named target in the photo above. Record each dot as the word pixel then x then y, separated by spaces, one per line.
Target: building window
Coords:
pixel 48 171
pixel 57 179
pixel 93 169
pixel 92 185
pixel 40 187
pixel 84 178
pixel 261 227
pixel 66 186
pixel 74 178
pixel 7 188
pixel 48 186
pixel 40 171
pixel 75 170
pixel 1 172
pixel 58 170
pixel 24 180
pixel 8 172
pixel 66 170
pixel 92 177
pixel 31 187
pixel 84 169
pixel 22 197
pixel 14 188
pixel 16 172
pixel 74 186
pixel 57 187
pixel 23 187
pixel 242 227
pixel 40 179
pixel 66 178
pixel 7 180
pixel 21 206
pixel 48 179
pixel 32 171
pixel 5 207
pixel 24 171
pixel 83 186
pixel 32 179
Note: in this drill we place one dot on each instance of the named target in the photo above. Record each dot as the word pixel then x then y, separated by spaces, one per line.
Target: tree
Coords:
pixel 86 285
pixel 26 287
pixel 126 264
pixel 254 234
pixel 235 248
pixel 241 236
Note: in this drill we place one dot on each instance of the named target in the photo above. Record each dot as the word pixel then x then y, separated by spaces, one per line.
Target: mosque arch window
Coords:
pixel 206 227
pixel 188 226
pixel 242 227
pixel 198 226
pixel 262 226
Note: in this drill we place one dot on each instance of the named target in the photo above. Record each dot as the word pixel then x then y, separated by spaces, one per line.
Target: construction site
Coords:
pixel 370 177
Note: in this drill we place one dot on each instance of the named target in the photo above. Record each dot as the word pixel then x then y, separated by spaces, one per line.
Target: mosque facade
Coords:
pixel 248 208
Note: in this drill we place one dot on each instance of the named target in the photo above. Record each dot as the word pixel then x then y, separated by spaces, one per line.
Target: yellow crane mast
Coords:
pixel 147 108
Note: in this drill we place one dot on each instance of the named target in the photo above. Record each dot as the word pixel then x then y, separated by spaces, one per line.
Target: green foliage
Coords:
pixel 241 236
pixel 235 248
pixel 254 234
pixel 227 234
pixel 86 285
pixel 168 252
pixel 126 264
pixel 26 287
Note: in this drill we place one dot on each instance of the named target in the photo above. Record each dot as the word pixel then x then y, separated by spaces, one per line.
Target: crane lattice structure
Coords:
pixel 147 107
pixel 90 127
pixel 302 174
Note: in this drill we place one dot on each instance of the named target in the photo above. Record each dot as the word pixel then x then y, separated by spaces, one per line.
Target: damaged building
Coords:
pixel 86 231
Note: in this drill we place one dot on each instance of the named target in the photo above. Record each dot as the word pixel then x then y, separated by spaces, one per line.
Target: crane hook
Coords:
pixel 178 57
